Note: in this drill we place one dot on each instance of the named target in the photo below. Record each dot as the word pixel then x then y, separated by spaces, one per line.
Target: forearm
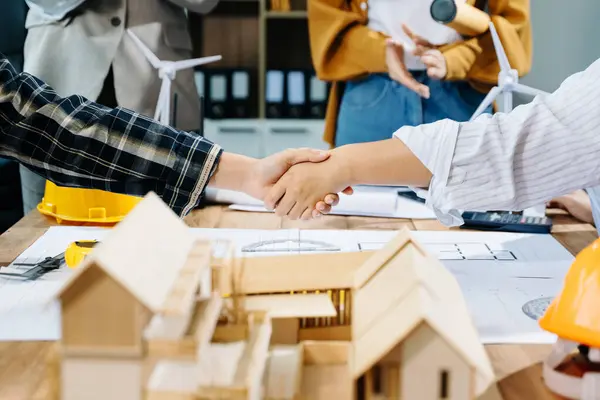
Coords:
pixel 76 143
pixel 387 162
pixel 232 172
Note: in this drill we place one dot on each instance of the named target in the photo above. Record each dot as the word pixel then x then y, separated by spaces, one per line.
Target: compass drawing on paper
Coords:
pixel 288 245
pixel 535 308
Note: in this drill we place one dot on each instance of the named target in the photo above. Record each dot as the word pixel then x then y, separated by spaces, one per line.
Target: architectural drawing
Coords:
pixel 498 272
pixel 455 251
pixel 535 308
pixel 289 245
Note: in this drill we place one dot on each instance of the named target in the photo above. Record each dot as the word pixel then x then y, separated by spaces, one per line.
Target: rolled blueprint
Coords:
pixel 463 18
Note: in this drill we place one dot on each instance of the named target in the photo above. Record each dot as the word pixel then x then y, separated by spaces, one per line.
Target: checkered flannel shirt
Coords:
pixel 74 142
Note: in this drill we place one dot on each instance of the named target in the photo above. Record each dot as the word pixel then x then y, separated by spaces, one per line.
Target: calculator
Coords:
pixel 501 221
pixel 506 222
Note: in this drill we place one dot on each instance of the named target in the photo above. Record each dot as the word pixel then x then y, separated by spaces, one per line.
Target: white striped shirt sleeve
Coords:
pixel 513 161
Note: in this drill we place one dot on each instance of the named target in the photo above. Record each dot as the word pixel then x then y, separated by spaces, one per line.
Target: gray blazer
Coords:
pixel 74 55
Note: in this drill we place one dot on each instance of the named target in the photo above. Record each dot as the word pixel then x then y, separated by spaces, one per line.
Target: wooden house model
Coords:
pixel 402 321
pixel 150 315
pixel 142 301
pixel 148 269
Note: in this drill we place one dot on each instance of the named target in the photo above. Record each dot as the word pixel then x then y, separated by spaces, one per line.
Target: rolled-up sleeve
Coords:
pixel 434 145
pixel 513 161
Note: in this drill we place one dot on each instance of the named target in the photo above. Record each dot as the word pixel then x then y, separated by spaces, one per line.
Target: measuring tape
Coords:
pixel 77 251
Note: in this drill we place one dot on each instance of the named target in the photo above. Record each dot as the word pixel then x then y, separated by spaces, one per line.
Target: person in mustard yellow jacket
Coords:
pixel 392 65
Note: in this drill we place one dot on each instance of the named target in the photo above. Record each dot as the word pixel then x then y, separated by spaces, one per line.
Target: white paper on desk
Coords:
pixel 404 208
pixel 27 309
pixel 500 273
pixel 367 201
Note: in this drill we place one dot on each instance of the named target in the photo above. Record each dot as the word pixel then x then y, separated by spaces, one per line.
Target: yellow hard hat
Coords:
pixel 85 205
pixel 575 313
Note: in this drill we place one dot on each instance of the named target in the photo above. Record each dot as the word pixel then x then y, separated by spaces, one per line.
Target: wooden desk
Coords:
pixel 22 364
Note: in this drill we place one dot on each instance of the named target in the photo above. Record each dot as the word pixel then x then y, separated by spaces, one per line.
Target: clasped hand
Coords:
pixel 297 183
pixel 308 189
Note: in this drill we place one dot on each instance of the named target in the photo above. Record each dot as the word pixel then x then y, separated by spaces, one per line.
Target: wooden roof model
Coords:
pixel 153 255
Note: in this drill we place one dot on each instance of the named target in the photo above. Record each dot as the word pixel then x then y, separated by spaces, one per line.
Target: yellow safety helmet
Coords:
pixel 85 205
pixel 575 313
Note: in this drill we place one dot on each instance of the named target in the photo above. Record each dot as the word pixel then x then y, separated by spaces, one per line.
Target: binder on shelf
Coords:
pixel 216 94
pixel 228 92
pixel 243 89
pixel 318 94
pixel 274 94
pixel 295 95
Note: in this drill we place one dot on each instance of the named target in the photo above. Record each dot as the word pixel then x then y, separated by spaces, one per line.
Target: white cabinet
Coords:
pixel 260 138
pixel 284 134
pixel 241 136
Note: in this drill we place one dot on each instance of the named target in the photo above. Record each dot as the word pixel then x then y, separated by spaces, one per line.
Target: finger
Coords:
pixel 429 60
pixel 348 191
pixel 332 199
pixel 295 156
pixel 435 73
pixel 297 211
pixel 408 31
pixel 324 208
pixel 272 198
pixel 316 214
pixel 420 50
pixel 285 206
pixel 559 202
pixel 419 41
pixel 411 83
pixel 306 215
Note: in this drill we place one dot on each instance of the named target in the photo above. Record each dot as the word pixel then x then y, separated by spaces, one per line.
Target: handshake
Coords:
pixel 297 183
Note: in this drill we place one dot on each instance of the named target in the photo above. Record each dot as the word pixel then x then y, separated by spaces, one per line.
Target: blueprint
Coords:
pixel 507 278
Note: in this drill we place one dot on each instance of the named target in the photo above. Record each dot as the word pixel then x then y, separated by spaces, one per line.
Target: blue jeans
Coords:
pixel 374 108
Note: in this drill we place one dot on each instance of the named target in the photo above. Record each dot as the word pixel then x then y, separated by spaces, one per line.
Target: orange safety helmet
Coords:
pixel 575 313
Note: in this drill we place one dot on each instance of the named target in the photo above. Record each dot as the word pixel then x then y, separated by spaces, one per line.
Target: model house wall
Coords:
pixel 99 314
pixel 427 357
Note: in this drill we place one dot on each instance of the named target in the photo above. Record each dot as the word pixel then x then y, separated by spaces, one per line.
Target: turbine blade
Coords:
pixel 185 64
pixel 145 50
pixel 500 53
pixel 520 88
pixel 489 99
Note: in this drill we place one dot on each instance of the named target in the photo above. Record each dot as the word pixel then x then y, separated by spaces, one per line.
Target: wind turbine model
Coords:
pixel 167 71
pixel 508 81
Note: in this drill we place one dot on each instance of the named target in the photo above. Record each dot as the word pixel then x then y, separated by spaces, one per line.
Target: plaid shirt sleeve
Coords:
pixel 74 142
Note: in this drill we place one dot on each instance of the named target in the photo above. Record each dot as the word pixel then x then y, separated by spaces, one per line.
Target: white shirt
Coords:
pixel 387 16
pixel 513 161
